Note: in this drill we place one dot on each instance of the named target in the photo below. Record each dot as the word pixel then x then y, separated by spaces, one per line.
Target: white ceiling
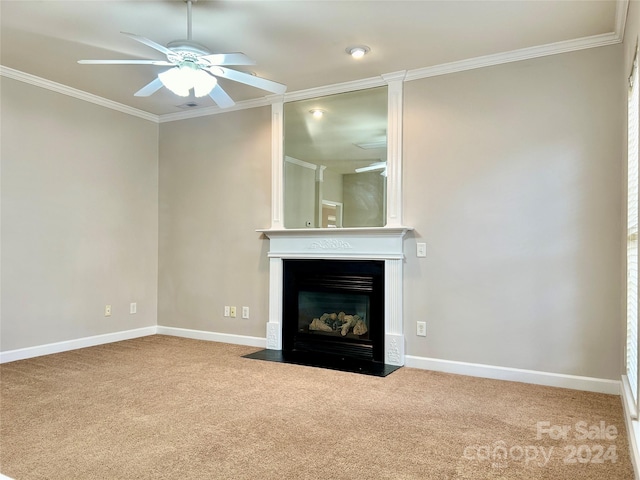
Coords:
pixel 298 43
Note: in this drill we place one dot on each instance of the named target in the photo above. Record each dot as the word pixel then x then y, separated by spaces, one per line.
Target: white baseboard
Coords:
pixel 574 382
pixel 260 342
pixel 50 348
pixel 448 366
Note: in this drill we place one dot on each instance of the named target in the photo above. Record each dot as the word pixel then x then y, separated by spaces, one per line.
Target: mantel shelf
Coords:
pixel 335 232
pixel 337 243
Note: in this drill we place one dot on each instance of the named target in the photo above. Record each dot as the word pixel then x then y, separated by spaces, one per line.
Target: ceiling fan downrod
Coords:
pixel 188 48
pixel 189 31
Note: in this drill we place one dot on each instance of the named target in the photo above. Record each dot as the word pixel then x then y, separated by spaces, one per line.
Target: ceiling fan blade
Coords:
pixel 125 62
pixel 150 88
pixel 221 97
pixel 229 59
pixel 150 43
pixel 372 167
pixel 247 79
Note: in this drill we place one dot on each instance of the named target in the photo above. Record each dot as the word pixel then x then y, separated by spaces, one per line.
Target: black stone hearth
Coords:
pixel 332 362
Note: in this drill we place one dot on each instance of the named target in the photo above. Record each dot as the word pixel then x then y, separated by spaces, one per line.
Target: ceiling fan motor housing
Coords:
pixel 186 50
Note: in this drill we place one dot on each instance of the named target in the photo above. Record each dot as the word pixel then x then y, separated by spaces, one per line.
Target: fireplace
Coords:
pixel 380 249
pixel 334 308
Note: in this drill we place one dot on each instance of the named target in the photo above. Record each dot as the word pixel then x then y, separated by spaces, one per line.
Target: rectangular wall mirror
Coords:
pixel 335 160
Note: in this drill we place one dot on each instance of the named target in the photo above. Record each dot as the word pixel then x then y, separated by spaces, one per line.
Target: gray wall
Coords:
pixel 79 199
pixel 332 186
pixel 215 191
pixel 363 195
pixel 512 177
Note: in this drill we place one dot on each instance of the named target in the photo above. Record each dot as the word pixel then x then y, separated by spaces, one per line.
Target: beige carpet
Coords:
pixel 170 408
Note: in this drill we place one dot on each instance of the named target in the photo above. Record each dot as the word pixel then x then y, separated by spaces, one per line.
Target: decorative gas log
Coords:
pixel 316 324
pixel 339 322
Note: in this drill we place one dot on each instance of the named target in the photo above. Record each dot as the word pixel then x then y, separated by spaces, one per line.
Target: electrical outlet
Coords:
pixel 227 311
pixel 133 308
pixel 107 310
pixel 245 312
pixel 232 311
pixel 421 329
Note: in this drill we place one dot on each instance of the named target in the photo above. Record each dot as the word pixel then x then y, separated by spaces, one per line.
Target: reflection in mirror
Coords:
pixel 335 160
pixel 331 214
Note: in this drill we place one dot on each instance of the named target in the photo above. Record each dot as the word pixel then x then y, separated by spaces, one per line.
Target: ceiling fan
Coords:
pixel 194 66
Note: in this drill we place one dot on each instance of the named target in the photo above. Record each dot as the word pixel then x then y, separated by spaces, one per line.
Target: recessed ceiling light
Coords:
pixel 358 51
pixel 316 112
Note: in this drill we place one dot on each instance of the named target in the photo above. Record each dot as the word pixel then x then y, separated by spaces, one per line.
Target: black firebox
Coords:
pixel 333 311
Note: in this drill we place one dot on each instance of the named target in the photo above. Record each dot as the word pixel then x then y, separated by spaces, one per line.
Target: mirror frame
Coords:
pixel 395 83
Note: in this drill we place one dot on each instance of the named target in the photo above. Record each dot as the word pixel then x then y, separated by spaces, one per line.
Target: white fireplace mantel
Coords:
pixel 339 243
pixel 383 243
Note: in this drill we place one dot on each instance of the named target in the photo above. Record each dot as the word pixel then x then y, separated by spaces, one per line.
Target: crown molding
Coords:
pixel 443 69
pixel 333 89
pixel 287 97
pixel 75 93
pixel 394 76
pixel 515 56
pixel 622 9
pixel 301 163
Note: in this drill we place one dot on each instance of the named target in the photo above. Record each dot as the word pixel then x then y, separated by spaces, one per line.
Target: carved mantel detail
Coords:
pixel 330 244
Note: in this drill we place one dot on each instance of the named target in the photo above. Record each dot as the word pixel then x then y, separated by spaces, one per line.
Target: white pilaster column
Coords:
pixel 395 82
pixel 394 334
pixel 274 326
pixel 277 166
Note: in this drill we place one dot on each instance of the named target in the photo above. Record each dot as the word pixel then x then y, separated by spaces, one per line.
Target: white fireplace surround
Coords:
pixel 384 243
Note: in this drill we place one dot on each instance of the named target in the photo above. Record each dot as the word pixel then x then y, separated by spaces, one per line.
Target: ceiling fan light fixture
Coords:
pixel 176 81
pixel 203 83
pixel 180 80
pixel 358 51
